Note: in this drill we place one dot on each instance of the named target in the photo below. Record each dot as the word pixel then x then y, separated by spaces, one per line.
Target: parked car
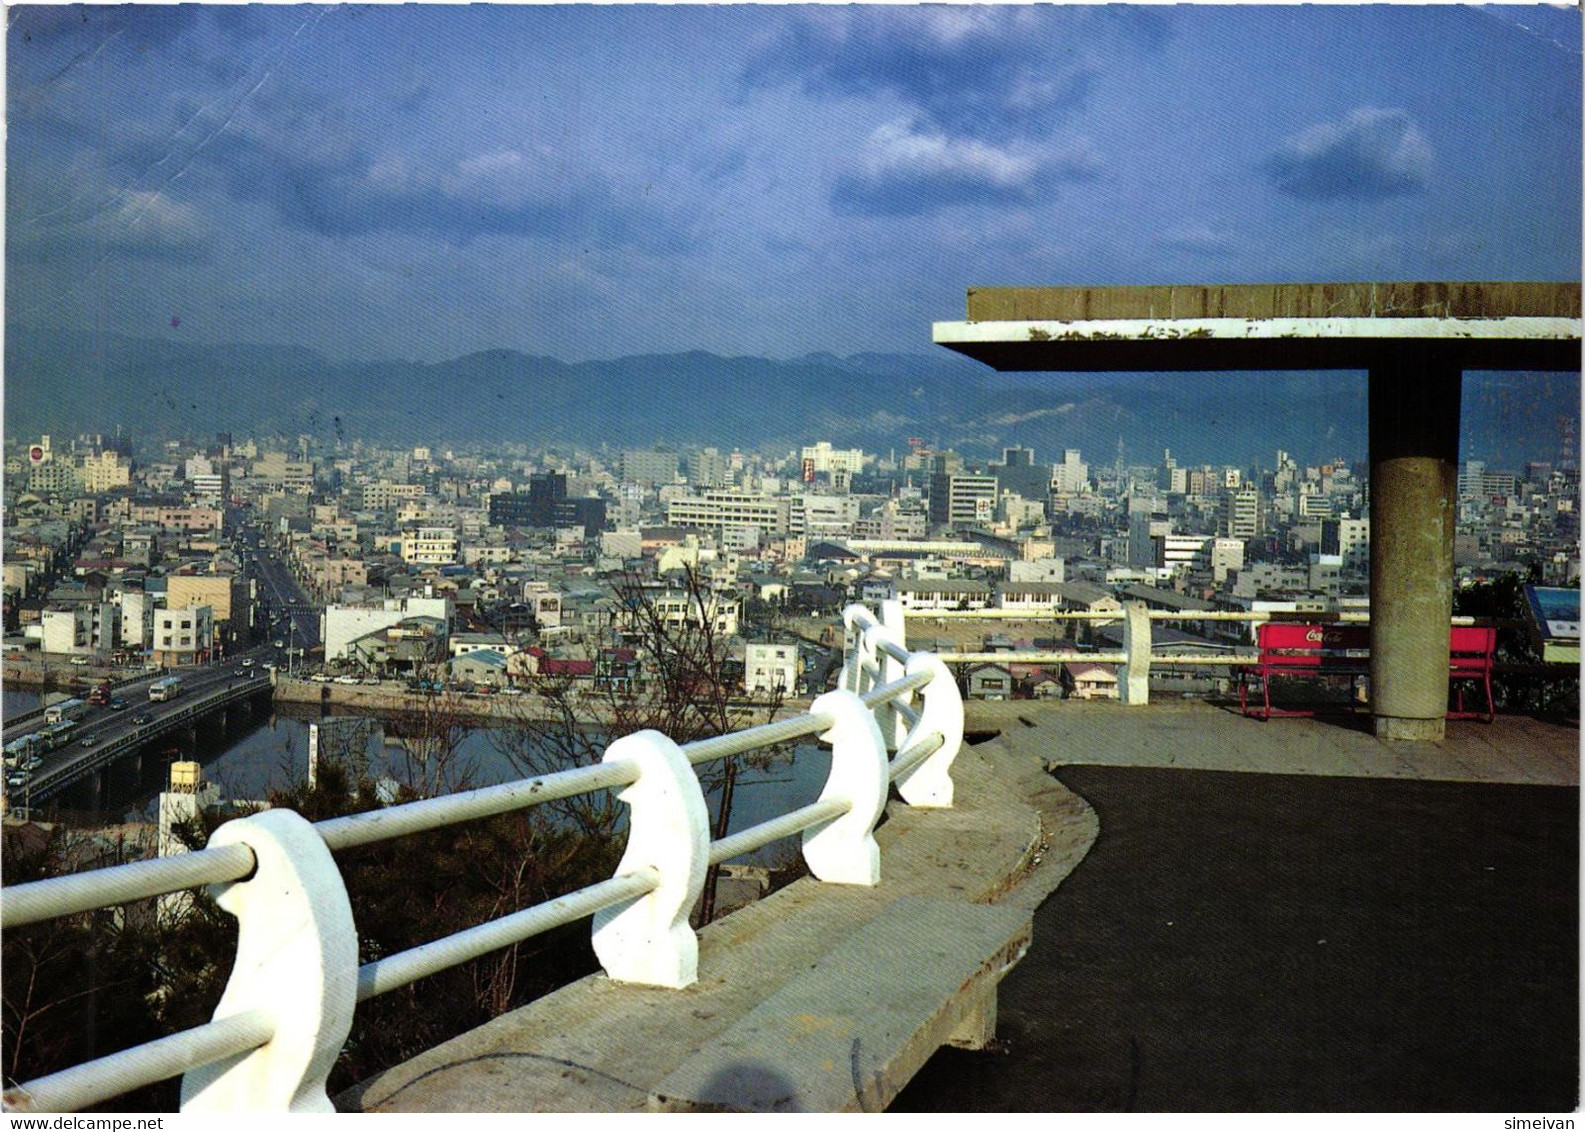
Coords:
pixel 346 680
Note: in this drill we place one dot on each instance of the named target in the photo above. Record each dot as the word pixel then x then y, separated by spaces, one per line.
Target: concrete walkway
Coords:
pixel 1195 735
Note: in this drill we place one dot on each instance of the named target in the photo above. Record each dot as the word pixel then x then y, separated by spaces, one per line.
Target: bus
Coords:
pixel 57 735
pixel 65 709
pixel 19 751
pixel 167 689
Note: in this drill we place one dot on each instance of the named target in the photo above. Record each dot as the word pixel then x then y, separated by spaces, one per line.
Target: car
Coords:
pixel 143 718
pixel 239 672
pixel 371 680
pixel 247 662
pixel 511 691
pixel 277 644
pixel 346 680
pixel 33 762
pixel 88 740
pixel 16 778
pixel 118 704
pixel 320 677
pixel 80 661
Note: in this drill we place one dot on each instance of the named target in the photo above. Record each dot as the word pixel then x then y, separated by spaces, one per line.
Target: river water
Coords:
pixel 275 754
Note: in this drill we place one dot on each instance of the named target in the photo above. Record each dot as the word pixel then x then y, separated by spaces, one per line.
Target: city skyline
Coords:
pixel 592 182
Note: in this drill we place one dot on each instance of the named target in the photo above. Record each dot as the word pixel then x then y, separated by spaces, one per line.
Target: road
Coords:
pixel 102 725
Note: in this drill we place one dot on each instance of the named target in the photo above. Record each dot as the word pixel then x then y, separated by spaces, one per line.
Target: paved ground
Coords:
pixel 1194 734
pixel 1361 935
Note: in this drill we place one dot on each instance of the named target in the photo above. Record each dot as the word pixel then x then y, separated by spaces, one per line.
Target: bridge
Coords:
pixel 208 701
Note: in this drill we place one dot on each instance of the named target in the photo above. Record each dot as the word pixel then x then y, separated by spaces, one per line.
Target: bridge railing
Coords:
pixel 295 983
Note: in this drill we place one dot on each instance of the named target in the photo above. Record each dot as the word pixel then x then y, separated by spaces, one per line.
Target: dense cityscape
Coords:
pixel 511 561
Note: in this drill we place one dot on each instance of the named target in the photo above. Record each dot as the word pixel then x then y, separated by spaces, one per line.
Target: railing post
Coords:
pixel 895 626
pixel 297 961
pixel 856 646
pixel 649 940
pixel 1133 678
pixel 843 851
pixel 930 783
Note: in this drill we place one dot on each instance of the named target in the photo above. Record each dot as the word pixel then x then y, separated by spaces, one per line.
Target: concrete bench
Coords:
pixel 848 1033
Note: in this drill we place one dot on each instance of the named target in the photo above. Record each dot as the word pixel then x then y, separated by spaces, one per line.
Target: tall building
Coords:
pixel 962 499
pixel 545 490
pixel 707 467
pixel 1072 476
pixel 1243 512
pixel 1019 473
pixel 648 467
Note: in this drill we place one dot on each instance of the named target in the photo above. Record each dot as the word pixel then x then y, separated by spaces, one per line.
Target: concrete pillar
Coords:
pixel 1414 416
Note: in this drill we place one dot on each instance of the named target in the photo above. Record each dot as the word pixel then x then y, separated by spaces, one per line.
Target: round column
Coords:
pixel 1414 417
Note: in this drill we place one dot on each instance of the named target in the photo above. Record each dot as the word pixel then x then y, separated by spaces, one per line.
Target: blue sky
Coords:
pixel 422 182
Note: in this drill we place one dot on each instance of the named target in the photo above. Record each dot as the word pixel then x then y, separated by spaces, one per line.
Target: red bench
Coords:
pixel 1344 650
pixel 1472 651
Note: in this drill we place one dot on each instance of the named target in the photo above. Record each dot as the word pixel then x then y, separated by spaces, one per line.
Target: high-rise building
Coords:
pixel 1243 512
pixel 545 490
pixel 962 499
pixel 649 467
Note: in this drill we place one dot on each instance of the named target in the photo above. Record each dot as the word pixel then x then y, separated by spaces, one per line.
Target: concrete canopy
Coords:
pixel 1269 326
pixel 1414 339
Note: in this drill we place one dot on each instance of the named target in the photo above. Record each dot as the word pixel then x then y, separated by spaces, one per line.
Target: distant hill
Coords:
pixel 67 382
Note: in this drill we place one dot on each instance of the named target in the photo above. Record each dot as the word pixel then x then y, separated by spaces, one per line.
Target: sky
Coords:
pixel 422 182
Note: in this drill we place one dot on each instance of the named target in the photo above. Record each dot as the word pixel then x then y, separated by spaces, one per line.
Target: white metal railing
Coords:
pixel 896 720
pixel 1138 654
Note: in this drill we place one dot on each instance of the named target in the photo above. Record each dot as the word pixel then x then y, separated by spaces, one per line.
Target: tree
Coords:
pixel 680 649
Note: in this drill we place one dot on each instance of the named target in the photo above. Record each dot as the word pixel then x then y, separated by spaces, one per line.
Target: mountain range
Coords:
pixel 66 382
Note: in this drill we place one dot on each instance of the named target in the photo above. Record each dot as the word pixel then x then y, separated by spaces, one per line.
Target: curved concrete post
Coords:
pixel 843 851
pixel 297 961
pixel 930 783
pixel 649 940
pixel 854 646
pixel 895 626
pixel 1133 677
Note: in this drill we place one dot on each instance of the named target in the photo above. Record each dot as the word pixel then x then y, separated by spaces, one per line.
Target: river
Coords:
pixel 275 753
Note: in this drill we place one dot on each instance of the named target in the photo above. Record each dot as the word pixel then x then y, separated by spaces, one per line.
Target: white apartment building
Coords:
pixel 104 471
pixel 822 516
pixel 137 618
pixel 715 510
pixel 1072 476
pixel 183 636
pixel 85 629
pixel 340 625
pixel 431 546
pixel 383 494
pixel 770 668
pixel 821 457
